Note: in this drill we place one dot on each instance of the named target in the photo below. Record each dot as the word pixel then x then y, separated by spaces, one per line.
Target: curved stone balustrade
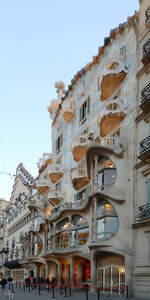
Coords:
pixel 79 177
pixel 44 162
pixel 79 146
pixel 68 206
pixel 55 172
pixel 55 197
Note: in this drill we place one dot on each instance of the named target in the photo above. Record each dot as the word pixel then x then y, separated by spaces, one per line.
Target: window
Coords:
pixel 59 142
pixel 85 109
pixel 107 173
pixel 123 52
pixel 107 220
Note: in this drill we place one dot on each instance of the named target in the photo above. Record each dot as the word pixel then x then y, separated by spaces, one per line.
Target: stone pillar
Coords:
pixel 96 175
pixel 47 269
pixel 31 246
pixel 94 220
pixel 93 271
pixel 54 235
pixel 128 275
pixel 59 272
pixel 71 270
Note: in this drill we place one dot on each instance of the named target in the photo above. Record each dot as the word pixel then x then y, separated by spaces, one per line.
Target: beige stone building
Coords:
pixel 3 205
pixel 18 224
pixel 83 209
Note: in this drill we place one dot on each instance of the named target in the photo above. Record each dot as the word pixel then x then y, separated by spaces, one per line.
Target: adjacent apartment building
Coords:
pixel 3 205
pixel 18 224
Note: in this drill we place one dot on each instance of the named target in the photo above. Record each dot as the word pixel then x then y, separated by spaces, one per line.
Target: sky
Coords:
pixel 44 41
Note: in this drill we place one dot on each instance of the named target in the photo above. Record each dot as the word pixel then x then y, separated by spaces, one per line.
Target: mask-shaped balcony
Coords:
pixel 145 99
pixel 55 197
pixel 146 52
pixel 55 172
pixel 79 146
pixel 53 107
pixel 67 110
pixel 114 73
pixel 42 185
pixel 79 177
pixel 112 114
pixel 44 162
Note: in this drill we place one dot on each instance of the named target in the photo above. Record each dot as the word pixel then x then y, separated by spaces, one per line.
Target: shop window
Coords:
pixel 84 110
pixel 107 220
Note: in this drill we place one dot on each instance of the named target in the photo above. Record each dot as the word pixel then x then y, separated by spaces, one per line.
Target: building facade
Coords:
pixel 83 213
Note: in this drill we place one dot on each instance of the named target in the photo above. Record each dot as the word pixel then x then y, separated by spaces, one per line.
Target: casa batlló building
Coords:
pixel 90 216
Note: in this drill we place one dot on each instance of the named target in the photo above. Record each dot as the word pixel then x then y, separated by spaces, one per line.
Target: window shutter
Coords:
pixel 148 190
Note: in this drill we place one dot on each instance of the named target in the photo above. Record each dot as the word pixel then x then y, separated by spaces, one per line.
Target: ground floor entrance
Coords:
pixel 111 273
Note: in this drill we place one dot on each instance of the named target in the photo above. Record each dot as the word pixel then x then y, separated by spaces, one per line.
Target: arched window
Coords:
pixel 107 220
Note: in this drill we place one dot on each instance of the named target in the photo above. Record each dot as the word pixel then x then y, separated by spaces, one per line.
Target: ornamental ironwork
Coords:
pixel 147 14
pixel 146 48
pixel 145 145
pixel 144 212
pixel 145 95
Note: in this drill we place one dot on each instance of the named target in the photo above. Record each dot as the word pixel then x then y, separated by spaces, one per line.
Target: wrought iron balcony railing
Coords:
pixel 147 14
pixel 145 95
pixel 146 52
pixel 144 212
pixel 144 146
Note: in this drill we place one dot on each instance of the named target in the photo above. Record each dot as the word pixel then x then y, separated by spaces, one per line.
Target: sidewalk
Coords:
pixel 19 294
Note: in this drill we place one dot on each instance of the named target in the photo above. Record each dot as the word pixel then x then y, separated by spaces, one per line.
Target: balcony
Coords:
pixel 67 111
pixel 79 146
pixel 143 217
pixel 55 172
pixel 112 114
pixel 146 52
pixel 145 149
pixel 42 185
pixel 55 197
pixel 145 99
pixel 147 14
pixel 79 177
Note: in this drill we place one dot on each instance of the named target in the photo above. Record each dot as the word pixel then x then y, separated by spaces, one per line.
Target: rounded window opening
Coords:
pixel 107 220
pixel 107 173
pixel 72 234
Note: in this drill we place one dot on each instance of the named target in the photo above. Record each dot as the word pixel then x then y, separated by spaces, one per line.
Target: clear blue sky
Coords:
pixel 43 41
